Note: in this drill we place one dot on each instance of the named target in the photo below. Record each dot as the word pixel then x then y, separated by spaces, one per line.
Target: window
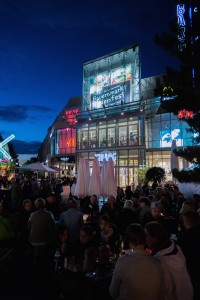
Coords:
pixel 122 135
pixel 111 137
pixel 102 137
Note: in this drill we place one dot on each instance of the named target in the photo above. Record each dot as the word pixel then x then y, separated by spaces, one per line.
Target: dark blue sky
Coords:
pixel 45 42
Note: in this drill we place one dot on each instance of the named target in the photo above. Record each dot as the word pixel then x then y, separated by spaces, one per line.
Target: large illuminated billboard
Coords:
pixel 112 80
pixel 111 88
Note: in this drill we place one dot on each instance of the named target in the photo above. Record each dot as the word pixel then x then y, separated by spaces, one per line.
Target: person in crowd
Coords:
pixel 58 189
pixel 128 192
pixel 7 234
pixel 73 220
pixel 24 214
pixel 176 282
pixel 109 234
pixel 196 202
pixel 145 207
pixel 110 208
pixel 126 217
pixel 53 205
pixel 34 188
pixel 91 208
pixel 62 237
pixel 65 194
pixel 120 196
pixel 156 214
pixel 42 232
pixel 83 258
pixel 15 193
pixel 130 279
pixel 104 223
pixel 26 188
pixel 166 203
pixel 189 242
pixel 186 206
pixel 44 188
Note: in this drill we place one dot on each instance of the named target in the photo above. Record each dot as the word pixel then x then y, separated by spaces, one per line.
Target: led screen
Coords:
pixel 166 137
pixel 111 88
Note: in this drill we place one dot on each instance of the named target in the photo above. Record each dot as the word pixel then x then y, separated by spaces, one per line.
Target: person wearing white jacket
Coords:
pixel 176 282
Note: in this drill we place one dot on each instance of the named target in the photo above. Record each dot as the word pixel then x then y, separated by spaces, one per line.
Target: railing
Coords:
pixel 104 143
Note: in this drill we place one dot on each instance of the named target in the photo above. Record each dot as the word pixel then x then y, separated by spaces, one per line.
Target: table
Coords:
pixel 84 286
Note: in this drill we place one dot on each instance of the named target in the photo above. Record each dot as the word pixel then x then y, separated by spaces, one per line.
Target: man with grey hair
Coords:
pixel 42 230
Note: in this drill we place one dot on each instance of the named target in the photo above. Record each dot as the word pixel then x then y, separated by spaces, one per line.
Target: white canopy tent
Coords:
pixel 37 167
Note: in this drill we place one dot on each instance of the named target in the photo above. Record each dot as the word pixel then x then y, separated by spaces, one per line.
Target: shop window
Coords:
pixel 84 139
pixel 111 137
pixel 123 136
pixel 102 137
pixel 92 138
pixel 133 134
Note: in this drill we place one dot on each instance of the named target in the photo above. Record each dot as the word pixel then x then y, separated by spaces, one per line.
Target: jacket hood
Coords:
pixel 173 257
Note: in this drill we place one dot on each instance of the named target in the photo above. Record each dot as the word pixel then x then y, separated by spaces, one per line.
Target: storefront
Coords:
pixel 112 122
pixel 122 139
pixel 59 147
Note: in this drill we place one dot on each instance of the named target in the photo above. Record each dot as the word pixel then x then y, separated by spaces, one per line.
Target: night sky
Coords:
pixel 44 43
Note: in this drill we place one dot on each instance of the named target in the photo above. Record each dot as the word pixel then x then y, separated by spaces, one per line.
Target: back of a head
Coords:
pixel 128 204
pixel 187 206
pixel 88 230
pixel 73 204
pixel 155 230
pixel 39 203
pixel 192 218
pixel 135 235
pixel 146 201
pixel 105 218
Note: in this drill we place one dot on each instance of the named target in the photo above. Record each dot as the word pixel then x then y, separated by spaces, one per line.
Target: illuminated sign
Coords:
pixel 70 115
pixel 168 93
pixel 3 143
pixel 112 95
pixel 181 26
pixel 185 114
pixel 67 139
pixel 111 88
pixel 64 158
pixel 106 155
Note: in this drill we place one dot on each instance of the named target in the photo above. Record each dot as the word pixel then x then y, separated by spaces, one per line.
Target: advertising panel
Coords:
pixel 166 137
pixel 111 88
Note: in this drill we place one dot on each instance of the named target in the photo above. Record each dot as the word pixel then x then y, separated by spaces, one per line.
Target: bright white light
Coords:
pixel 3 143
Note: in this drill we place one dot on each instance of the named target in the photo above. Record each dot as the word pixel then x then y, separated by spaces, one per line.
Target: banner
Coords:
pixel 111 95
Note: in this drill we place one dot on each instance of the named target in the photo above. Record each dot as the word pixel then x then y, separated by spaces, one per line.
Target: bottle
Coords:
pixel 57 260
pixel 121 246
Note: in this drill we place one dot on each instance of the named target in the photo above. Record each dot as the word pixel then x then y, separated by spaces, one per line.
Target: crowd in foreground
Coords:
pixel 152 234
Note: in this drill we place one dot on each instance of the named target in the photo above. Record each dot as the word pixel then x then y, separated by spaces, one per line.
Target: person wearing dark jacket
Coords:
pixel 111 209
pixel 189 242
pixel 126 217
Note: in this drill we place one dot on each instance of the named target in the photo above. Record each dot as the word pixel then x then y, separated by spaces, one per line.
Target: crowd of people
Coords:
pixel 152 234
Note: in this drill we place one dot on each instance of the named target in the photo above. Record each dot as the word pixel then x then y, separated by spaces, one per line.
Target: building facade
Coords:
pixel 118 116
pixel 58 149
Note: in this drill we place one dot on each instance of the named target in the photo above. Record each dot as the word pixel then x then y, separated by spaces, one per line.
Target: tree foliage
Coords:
pixel 181 88
pixel 155 174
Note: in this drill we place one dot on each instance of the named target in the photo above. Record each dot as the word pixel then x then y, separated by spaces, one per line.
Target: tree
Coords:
pixel 155 174
pixel 180 93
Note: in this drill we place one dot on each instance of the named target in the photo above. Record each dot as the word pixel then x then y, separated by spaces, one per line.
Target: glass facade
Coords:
pixel 126 163
pixel 163 128
pixel 112 79
pixel 124 132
